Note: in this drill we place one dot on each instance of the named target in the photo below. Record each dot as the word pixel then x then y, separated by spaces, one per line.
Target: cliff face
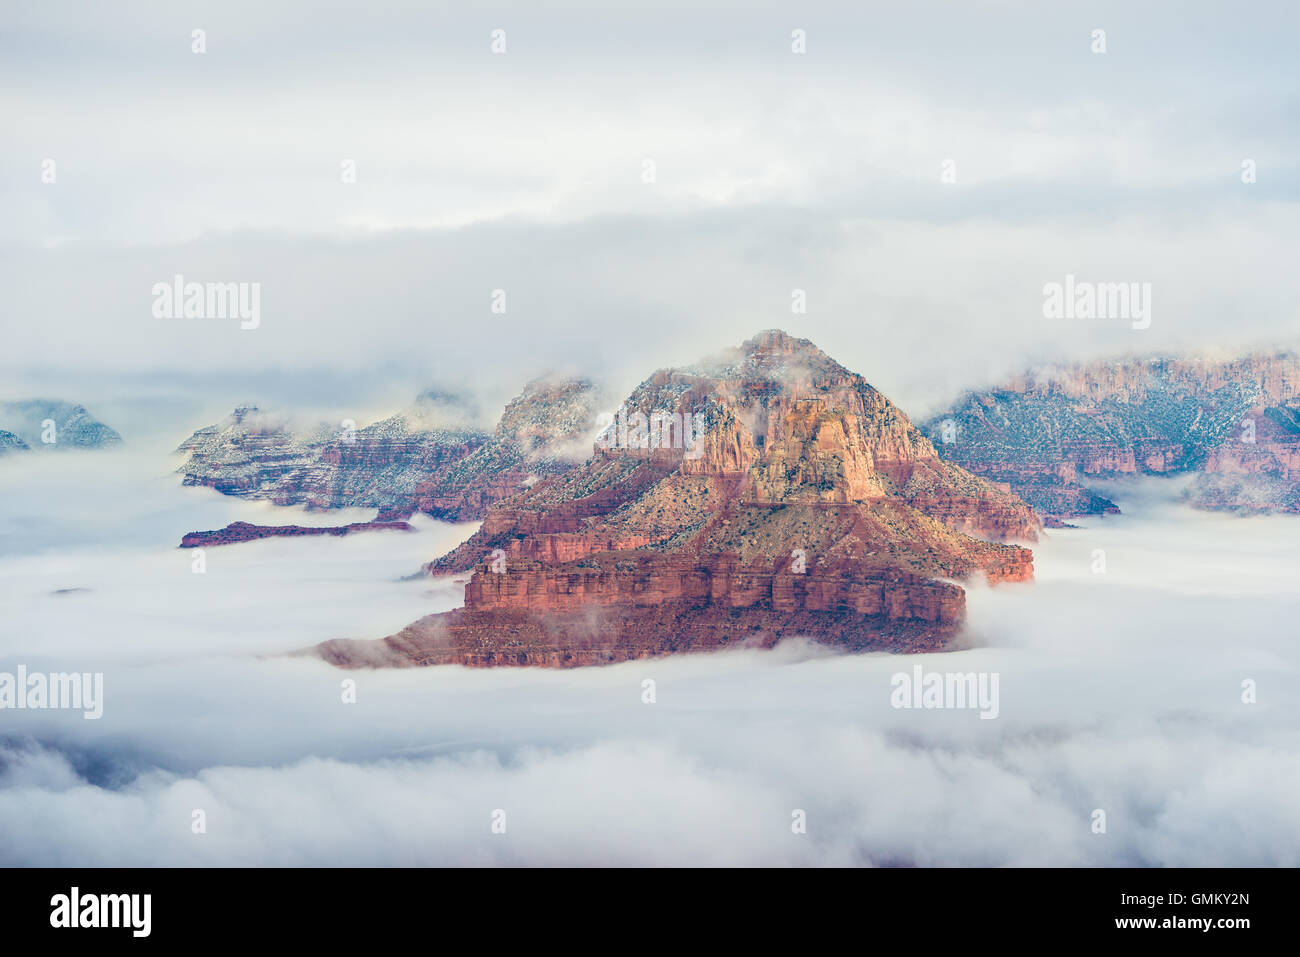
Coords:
pixel 1232 422
pixel 544 431
pixel 1258 475
pixel 429 458
pixel 765 493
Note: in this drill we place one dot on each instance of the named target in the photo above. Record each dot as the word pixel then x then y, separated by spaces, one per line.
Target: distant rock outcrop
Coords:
pixel 258 455
pixel 1234 423
pixel 12 443
pixel 247 532
pixel 765 493
pixel 430 458
pixel 51 424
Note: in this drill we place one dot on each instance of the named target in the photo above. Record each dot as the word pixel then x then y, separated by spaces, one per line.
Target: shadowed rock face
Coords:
pixel 1234 423
pixel 771 492
pixel 51 424
pixel 429 458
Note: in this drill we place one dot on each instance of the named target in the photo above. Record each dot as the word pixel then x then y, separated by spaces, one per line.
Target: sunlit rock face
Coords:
pixel 762 493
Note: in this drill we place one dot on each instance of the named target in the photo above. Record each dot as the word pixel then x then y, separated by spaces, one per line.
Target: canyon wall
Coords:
pixel 1232 423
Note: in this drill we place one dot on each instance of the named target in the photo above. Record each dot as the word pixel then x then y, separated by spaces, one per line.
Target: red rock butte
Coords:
pixel 798 501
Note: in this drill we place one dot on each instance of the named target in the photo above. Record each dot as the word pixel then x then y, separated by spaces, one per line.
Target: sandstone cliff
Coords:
pixel 764 493
pixel 544 431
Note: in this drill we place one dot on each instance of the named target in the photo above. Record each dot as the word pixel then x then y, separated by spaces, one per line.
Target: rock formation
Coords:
pixel 51 424
pixel 237 532
pixel 12 443
pixel 429 458
pixel 767 492
pixel 544 431
pixel 1231 422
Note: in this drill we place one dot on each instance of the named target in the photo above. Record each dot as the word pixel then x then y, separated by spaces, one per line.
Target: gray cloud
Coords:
pixel 922 310
pixel 523 172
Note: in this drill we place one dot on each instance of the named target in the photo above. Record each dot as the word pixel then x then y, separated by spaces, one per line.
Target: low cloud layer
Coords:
pixel 1119 691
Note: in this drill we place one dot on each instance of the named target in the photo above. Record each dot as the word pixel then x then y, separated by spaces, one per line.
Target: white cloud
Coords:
pixel 1119 692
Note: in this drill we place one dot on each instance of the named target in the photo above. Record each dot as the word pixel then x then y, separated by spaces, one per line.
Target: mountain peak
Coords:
pixel 779 341
pixel 55 424
pixel 772 356
pixel 764 492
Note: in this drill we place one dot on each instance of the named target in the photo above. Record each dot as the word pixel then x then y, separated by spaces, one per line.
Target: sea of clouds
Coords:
pixel 1119 690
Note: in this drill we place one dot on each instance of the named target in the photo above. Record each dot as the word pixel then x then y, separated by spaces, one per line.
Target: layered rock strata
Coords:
pixel 1234 424
pixel 430 458
pixel 765 493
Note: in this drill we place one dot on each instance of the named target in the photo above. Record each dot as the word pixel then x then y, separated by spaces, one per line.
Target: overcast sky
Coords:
pixel 525 171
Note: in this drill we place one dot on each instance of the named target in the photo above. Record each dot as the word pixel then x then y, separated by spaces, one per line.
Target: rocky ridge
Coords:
pixel 237 532
pixel 1234 424
pixel 429 458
